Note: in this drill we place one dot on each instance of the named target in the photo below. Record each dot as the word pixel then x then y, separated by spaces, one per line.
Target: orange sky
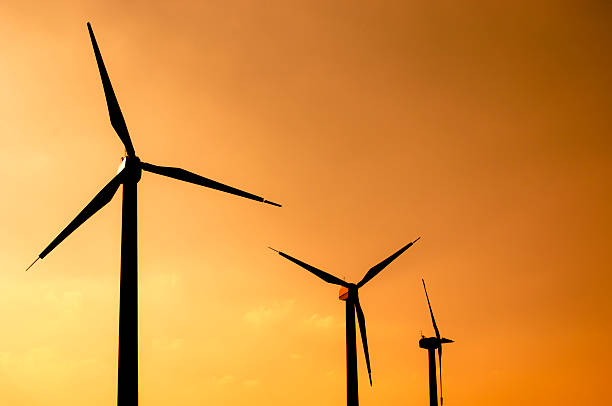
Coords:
pixel 483 127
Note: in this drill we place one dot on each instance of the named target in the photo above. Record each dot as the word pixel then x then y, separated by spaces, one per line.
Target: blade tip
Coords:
pixel 273 203
pixel 92 37
pixel 37 258
pixel 275 250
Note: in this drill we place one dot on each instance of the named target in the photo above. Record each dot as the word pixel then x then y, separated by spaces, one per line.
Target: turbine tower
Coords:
pixel 128 175
pixel 431 344
pixel 349 294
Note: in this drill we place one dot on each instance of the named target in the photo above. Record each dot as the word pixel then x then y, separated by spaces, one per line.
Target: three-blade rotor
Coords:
pixel 353 296
pixel 131 164
pixel 441 340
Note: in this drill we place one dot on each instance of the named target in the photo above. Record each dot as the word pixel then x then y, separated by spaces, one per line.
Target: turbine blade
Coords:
pixel 375 270
pixel 99 201
pixel 33 262
pixel 316 271
pixel 186 176
pixel 114 111
pixel 364 338
pixel 433 320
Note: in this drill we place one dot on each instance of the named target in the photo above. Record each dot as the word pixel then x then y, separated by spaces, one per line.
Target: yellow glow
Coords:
pixel 482 126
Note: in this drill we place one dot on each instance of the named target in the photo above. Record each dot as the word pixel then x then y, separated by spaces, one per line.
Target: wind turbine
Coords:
pixel 349 294
pixel 431 344
pixel 128 175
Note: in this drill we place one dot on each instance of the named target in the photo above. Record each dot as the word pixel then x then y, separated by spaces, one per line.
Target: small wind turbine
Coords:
pixel 431 344
pixel 349 294
pixel 128 175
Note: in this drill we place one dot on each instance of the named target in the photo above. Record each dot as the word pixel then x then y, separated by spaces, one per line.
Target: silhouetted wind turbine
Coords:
pixel 128 176
pixel 431 344
pixel 349 293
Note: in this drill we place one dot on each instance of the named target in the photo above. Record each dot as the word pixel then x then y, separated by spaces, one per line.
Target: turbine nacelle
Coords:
pixel 348 292
pixel 344 293
pixel 130 168
pixel 432 343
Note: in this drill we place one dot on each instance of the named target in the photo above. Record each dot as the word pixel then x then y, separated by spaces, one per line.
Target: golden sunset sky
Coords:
pixel 484 127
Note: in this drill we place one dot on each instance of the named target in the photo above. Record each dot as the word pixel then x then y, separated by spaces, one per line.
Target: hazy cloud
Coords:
pixel 265 314
pixel 68 301
pixel 224 380
pixel 250 383
pixel 168 344
pixel 320 321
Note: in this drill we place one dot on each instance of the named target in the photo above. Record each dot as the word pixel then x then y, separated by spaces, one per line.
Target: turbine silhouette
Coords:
pixel 128 175
pixel 431 344
pixel 349 294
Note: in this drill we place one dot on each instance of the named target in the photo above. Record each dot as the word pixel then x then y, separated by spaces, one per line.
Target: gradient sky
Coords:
pixel 483 127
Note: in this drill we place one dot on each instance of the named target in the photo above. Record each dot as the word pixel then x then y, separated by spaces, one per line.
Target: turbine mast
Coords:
pixel 352 385
pixel 127 385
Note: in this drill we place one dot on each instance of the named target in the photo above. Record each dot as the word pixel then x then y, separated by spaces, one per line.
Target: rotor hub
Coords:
pixel 131 169
pixel 429 343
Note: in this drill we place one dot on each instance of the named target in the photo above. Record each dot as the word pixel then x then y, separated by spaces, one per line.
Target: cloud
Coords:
pixel 250 383
pixel 231 379
pixel 320 321
pixel 176 344
pixel 42 363
pixel 167 344
pixel 295 356
pixel 224 380
pixel 266 314
pixel 5 359
pixel 70 301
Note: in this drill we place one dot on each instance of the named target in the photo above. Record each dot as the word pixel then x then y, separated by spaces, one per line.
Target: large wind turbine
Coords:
pixel 128 176
pixel 431 344
pixel 349 294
